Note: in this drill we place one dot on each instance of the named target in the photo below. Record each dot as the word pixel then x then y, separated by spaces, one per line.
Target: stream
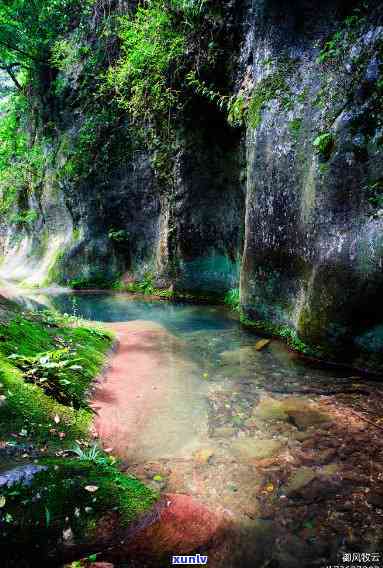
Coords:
pixel 278 449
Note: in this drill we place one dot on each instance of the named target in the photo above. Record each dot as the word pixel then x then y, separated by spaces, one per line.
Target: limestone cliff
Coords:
pixel 283 199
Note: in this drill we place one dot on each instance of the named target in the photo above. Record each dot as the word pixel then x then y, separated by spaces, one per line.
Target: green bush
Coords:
pixel 151 45
pixel 146 286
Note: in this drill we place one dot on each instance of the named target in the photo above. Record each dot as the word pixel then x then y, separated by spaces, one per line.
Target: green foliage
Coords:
pixel 223 102
pixel 119 236
pixel 91 454
pixel 92 282
pixel 375 193
pixel 28 29
pixel 324 144
pixel 342 40
pixel 32 350
pixel 242 109
pixel 25 218
pixel 151 44
pixel 67 53
pixel 146 286
pixel 237 109
pixel 192 9
pixel 21 165
pixel 59 373
pixel 232 299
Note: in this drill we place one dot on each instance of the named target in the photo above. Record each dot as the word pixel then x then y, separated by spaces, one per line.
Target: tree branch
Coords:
pixel 9 70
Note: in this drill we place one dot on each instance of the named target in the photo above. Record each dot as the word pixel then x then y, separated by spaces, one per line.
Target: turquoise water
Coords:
pixel 176 317
pixel 191 406
pixel 208 330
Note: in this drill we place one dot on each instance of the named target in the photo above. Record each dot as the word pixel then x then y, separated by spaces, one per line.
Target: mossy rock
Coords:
pixel 270 409
pixel 67 494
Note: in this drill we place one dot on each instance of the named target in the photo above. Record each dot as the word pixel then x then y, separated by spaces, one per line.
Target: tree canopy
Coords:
pixel 28 29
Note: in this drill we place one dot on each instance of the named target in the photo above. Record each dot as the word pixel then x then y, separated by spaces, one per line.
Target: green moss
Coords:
pixel 232 299
pixel 374 191
pixel 285 332
pixel 27 405
pixel 54 270
pixel 27 409
pixel 67 493
pixel 324 144
pixel 295 127
pixel 93 282
pixel 274 86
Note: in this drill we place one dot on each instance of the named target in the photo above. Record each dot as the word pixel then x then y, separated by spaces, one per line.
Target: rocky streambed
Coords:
pixel 261 460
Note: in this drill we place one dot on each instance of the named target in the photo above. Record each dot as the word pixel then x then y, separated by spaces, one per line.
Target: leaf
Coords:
pixel 157 478
pixel 92 558
pixel 91 488
pixel 2 501
pixel 270 488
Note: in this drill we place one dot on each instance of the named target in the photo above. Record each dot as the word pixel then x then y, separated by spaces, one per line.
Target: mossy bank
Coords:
pixel 56 485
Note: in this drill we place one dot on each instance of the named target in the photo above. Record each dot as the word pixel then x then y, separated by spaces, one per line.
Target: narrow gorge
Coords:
pixel 162 159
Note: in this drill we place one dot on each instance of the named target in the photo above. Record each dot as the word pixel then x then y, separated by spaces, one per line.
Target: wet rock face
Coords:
pixel 313 249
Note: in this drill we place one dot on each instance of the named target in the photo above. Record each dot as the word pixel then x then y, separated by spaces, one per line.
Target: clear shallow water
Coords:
pixel 192 407
pixel 176 317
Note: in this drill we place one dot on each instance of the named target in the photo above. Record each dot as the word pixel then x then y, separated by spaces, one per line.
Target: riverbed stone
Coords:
pixel 270 409
pixel 303 414
pixel 23 474
pixel 299 479
pixel 238 356
pixel 256 448
pixel 261 344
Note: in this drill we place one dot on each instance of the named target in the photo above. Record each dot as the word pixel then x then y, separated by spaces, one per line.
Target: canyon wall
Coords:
pixel 284 202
